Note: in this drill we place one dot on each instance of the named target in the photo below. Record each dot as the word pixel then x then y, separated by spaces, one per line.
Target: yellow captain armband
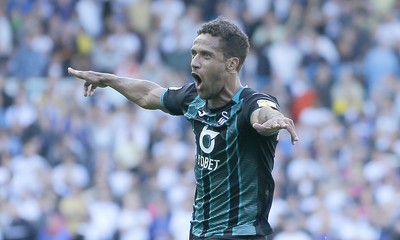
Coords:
pixel 266 103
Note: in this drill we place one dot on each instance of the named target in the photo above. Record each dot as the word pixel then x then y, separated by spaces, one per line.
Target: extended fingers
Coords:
pixel 86 89
pixel 258 126
pixel 293 134
pixel 75 73
pixel 92 90
pixel 277 124
pixel 85 75
pixel 89 89
pixel 269 125
pixel 291 129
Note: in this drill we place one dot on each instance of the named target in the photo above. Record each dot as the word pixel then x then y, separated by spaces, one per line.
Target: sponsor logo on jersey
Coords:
pixel 207 163
pixel 207 140
pixel 207 144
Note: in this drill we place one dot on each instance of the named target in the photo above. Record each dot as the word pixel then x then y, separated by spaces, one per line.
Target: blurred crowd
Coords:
pixel 101 168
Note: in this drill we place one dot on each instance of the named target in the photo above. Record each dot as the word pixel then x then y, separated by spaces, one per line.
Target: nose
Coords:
pixel 195 63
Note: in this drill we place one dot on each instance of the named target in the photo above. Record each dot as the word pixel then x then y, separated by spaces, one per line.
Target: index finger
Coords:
pixel 74 72
pixel 292 132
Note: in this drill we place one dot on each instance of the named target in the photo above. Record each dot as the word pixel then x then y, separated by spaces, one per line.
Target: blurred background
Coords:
pixel 100 168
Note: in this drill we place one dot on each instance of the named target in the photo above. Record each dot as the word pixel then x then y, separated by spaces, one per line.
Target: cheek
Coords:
pixel 215 73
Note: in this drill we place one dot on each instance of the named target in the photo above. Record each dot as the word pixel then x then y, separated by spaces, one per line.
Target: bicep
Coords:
pixel 153 99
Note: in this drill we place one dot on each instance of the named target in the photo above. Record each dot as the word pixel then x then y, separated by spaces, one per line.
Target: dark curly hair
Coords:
pixel 234 42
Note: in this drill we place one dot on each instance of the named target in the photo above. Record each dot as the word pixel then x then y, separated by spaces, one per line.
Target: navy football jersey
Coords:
pixel 233 163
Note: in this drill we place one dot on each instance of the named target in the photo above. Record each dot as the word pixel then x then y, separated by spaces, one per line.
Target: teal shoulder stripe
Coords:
pixel 236 97
pixel 193 107
pixel 162 101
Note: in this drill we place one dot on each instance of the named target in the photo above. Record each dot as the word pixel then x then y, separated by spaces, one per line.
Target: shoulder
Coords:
pixel 187 89
pixel 253 101
pixel 176 99
pixel 258 99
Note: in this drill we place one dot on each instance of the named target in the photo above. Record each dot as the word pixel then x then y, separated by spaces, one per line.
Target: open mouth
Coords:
pixel 197 79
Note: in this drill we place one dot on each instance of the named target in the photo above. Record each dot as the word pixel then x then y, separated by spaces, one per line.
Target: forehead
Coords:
pixel 207 42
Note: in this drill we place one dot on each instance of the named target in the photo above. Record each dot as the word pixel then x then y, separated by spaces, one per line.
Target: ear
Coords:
pixel 232 64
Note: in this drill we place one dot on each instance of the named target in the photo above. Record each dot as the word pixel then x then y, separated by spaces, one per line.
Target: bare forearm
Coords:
pixel 144 93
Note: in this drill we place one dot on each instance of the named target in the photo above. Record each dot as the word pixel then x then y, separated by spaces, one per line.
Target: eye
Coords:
pixel 193 54
pixel 207 55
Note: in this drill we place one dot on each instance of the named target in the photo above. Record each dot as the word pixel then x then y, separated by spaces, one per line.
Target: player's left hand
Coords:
pixel 275 124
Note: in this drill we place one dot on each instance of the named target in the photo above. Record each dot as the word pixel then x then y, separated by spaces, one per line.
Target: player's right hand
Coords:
pixel 92 80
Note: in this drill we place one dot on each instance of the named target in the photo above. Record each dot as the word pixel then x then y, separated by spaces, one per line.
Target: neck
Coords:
pixel 226 95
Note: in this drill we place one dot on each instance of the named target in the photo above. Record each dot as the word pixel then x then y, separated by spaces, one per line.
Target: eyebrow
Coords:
pixel 202 52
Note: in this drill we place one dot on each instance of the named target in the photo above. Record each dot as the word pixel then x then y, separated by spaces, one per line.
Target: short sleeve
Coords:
pixel 254 100
pixel 175 100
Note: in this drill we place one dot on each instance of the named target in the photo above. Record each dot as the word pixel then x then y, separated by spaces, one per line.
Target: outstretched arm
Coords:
pixel 145 94
pixel 268 121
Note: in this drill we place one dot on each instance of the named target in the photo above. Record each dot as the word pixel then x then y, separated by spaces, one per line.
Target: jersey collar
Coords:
pixel 236 97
